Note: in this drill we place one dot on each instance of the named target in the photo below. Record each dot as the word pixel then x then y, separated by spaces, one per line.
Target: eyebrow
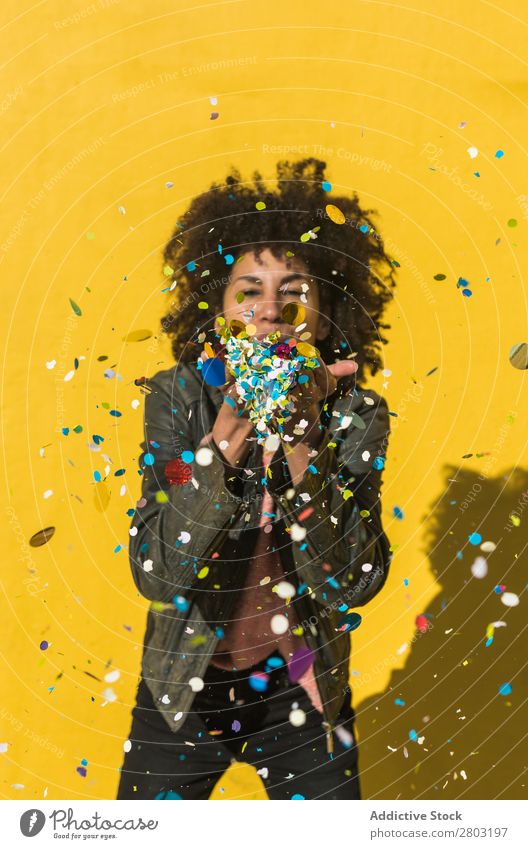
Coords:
pixel 253 278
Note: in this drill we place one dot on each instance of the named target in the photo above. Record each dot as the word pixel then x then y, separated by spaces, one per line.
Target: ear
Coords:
pixel 323 327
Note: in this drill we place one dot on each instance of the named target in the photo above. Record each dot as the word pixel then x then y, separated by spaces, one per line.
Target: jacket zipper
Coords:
pixel 327 725
pixel 222 533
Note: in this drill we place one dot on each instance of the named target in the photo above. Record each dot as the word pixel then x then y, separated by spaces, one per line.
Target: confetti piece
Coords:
pixel 41 537
pixel 505 689
pixel 475 538
pixel 284 589
pixel 510 599
pixel 213 371
pixel 204 456
pixel 479 567
pixel 335 214
pixel 196 684
pixel 518 355
pixel 177 472
pixel 299 663
pixel 279 623
pixel 297 717
pixel 137 336
pixel 349 622
pixel 258 681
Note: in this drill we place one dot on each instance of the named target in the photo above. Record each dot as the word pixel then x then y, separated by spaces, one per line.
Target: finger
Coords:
pixel 342 368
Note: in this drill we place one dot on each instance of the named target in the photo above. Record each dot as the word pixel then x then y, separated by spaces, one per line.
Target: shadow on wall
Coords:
pixel 447 727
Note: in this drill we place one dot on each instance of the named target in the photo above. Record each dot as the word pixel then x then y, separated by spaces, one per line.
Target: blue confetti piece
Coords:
pixel 229 259
pixel 326 186
pixel 214 372
pixel 475 538
pixel 413 735
pixel 191 266
pixel 378 463
pixel 364 228
pixel 187 456
pixel 97 476
pixel 505 689
pixel 499 154
pixel 398 513
pixel 148 459
pixel 399 702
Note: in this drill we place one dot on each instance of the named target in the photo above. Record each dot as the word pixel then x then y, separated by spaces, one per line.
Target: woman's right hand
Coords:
pixel 231 426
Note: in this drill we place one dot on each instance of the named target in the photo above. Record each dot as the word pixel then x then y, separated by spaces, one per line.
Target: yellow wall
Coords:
pixel 98 112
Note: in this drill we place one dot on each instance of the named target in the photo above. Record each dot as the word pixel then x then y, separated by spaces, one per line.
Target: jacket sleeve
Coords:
pixel 334 513
pixel 175 526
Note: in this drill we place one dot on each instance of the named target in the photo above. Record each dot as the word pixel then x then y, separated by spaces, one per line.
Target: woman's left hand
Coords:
pixel 321 383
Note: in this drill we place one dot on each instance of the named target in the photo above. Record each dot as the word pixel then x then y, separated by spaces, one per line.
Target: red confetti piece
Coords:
pixel 422 623
pixel 305 513
pixel 177 472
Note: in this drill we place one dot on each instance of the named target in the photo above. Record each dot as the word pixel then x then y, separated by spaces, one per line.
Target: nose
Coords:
pixel 269 310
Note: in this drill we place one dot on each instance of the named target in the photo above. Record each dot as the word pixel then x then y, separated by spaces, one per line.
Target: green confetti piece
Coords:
pixel 75 307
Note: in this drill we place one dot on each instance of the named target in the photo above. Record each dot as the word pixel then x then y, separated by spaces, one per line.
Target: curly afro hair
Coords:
pixel 354 275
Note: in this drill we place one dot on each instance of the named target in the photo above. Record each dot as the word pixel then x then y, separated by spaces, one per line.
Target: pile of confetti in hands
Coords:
pixel 265 371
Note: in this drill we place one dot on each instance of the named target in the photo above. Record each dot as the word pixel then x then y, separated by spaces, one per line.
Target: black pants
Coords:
pixel 254 727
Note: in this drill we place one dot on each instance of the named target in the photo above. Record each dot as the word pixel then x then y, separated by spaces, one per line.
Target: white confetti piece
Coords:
pixel 147 565
pixel 165 699
pixel 510 599
pixel 48 493
pixel 127 745
pixel 473 152
pixel 298 533
pixel 196 684
pixel 204 456
pixel 279 624
pixel 51 364
pixel 184 537
pixel 284 589
pixel 297 717
pixel 479 567
pixel 110 677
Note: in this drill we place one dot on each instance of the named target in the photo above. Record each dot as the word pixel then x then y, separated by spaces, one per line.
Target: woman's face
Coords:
pixel 259 289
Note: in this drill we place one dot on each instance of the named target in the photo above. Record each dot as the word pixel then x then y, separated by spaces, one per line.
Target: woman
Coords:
pixel 256 551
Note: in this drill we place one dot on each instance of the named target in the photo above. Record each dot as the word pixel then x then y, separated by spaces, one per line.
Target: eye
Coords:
pixel 251 291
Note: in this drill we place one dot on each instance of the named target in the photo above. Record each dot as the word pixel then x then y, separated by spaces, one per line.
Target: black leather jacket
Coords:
pixel 193 584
